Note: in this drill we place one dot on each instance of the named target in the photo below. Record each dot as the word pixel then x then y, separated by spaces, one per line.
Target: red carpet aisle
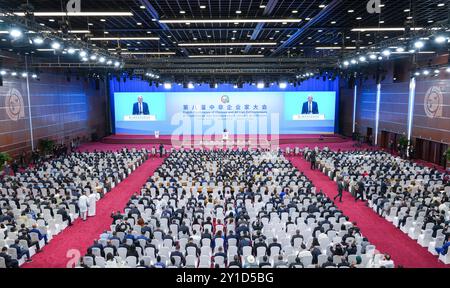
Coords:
pixel 82 234
pixel 385 236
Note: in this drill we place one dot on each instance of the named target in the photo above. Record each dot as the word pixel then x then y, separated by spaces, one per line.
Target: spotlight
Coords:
pixel 34 76
pixel 353 61
pixel 400 49
pixel 436 71
pixel 190 85
pixel 440 39
pixel 426 72
pixel 283 85
pixel 93 57
pixel 447 70
pixel 83 54
pixel 362 59
pixel 15 33
pixel 260 85
pixel 56 45
pixel 235 86
pixel 419 44
pixel 38 40
pixel 84 59
pixel 373 56
pixel 13 73
pixel 386 52
pixel 116 64
pixel 3 72
pixel 71 51
pixel 24 74
pixel 102 60
pixel 417 73
pixel 167 85
pixel 109 62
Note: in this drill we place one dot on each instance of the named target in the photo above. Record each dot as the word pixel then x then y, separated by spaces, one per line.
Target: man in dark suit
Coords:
pixel 340 186
pixel 140 108
pixel 310 107
pixel 360 191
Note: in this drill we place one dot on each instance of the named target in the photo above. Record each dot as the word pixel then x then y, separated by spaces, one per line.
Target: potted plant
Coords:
pixel 4 157
pixel 46 146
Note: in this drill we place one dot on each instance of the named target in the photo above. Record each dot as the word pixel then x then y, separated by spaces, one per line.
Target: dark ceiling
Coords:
pixel 324 23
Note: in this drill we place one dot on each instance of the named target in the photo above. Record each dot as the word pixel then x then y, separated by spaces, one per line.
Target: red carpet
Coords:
pixel 385 236
pixel 82 234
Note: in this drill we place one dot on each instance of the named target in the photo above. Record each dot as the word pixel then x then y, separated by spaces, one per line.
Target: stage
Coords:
pixel 218 141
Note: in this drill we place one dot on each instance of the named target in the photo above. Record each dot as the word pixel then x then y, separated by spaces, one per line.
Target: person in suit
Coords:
pixel 140 107
pixel 360 191
pixel 340 186
pixel 9 261
pixel 310 107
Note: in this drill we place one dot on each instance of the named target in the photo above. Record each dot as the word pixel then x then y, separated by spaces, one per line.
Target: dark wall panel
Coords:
pixel 394 107
pixel 60 110
pixel 432 111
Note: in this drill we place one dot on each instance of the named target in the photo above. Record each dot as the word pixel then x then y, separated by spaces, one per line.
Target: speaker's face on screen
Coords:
pixel 310 98
pixel 140 99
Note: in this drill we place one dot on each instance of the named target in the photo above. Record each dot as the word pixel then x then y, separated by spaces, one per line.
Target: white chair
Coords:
pixel 437 242
pixel 191 261
pixel 131 261
pixel 425 238
pixel 205 262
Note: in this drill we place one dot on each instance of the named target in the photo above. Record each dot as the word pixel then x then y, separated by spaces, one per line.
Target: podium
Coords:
pixel 225 136
pixel 139 118
pixel 308 117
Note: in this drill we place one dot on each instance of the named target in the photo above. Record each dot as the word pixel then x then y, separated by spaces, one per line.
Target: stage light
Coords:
pixel 84 59
pixel 440 39
pixel 93 57
pixel 386 52
pixel 15 33
pixel 447 70
pixel 24 74
pixel 400 49
pixel 83 54
pixel 362 59
pixel 283 85
pixel 353 61
pixel 260 85
pixel 436 71
pixel 346 63
pixel 3 72
pixel 235 86
pixel 13 73
pixel 71 51
pixel 56 45
pixel 102 60
pixel 417 73
pixel 34 76
pixel 190 85
pixel 167 85
pixel 426 72
pixel 419 44
pixel 38 40
pixel 373 56
pixel 109 62
pixel 116 64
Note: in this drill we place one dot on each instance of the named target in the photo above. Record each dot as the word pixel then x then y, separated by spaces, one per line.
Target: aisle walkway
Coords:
pixel 385 236
pixel 82 234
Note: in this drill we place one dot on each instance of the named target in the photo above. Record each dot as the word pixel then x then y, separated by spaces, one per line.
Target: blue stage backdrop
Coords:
pixel 142 109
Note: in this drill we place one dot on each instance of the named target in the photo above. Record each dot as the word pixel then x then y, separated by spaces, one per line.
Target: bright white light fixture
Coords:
pixel 56 45
pixel 373 56
pixel 283 85
pixel 38 40
pixel 71 51
pixel 83 54
pixel 260 85
pixel 380 29
pixel 440 39
pixel 167 85
pixel 362 59
pixel 419 44
pixel 75 14
pixel 15 33
pixel 206 21
pixel 190 85
pixel 229 44
pixel 116 64
pixel 24 74
pixel 102 60
pixel 122 38
pixel 386 52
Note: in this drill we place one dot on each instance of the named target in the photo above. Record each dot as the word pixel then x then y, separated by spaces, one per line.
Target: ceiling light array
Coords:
pixel 415 46
pixel 43 41
pixel 152 75
pixel 431 71
pixel 18 74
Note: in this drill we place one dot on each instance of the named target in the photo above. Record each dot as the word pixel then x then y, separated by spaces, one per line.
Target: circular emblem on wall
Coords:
pixel 225 99
pixel 433 102
pixel 14 106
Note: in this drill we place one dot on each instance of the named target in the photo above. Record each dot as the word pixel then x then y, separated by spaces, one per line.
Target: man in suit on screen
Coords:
pixel 310 107
pixel 140 108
